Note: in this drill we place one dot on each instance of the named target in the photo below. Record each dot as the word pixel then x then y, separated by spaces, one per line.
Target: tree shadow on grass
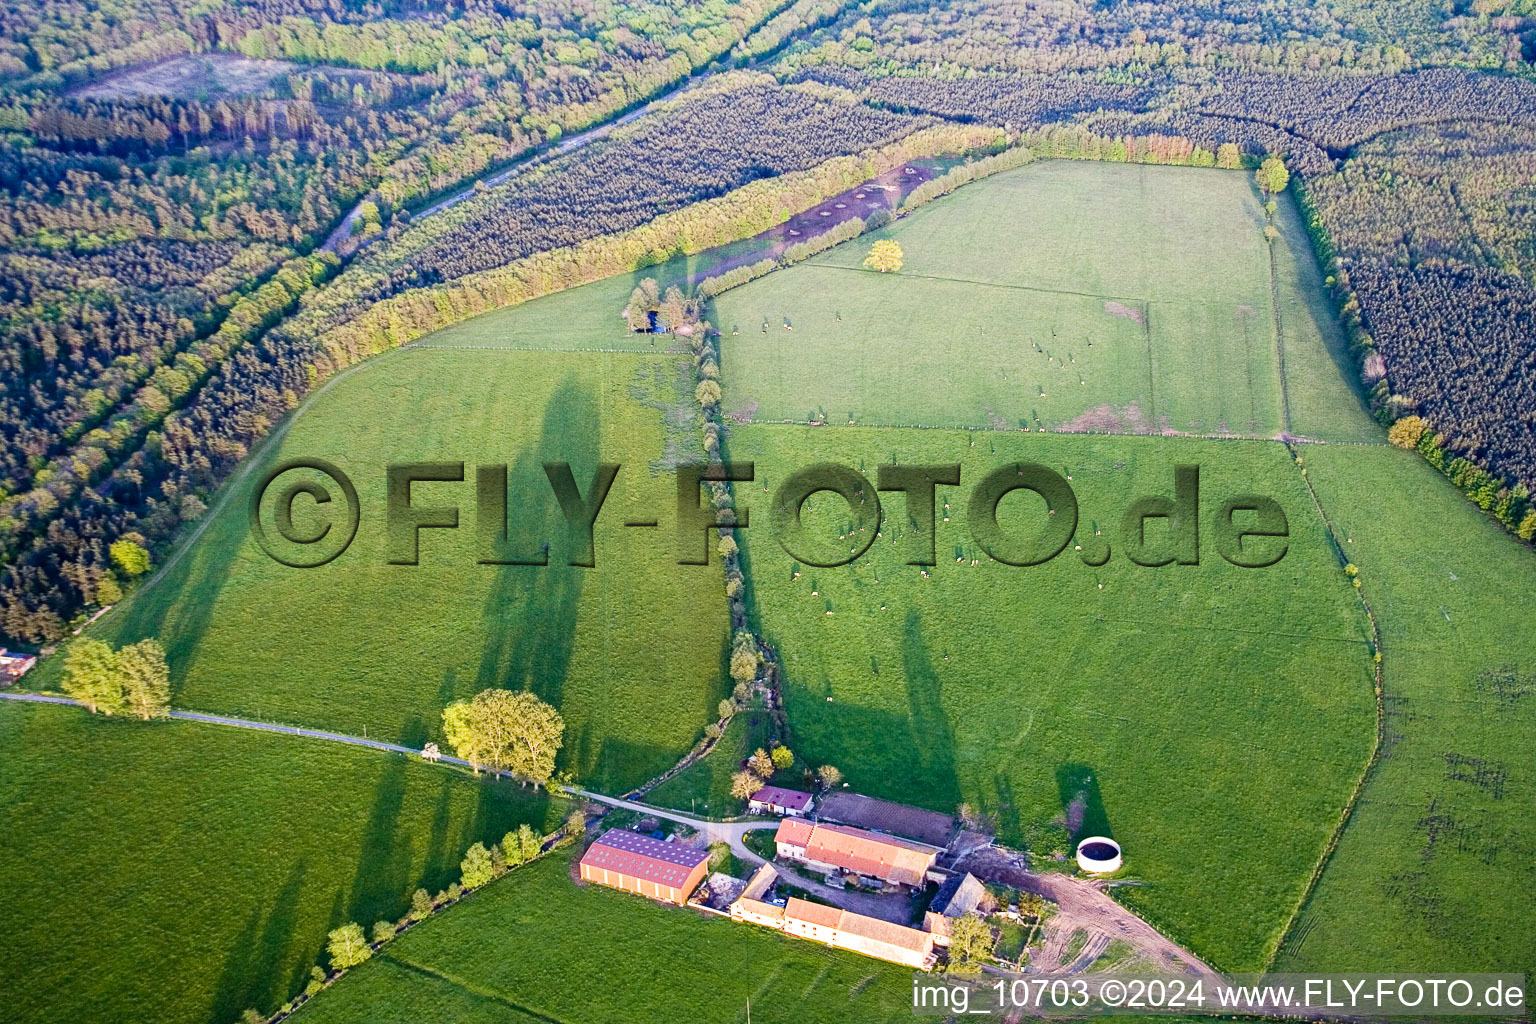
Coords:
pixel 1005 815
pixel 382 874
pixel 441 857
pixel 530 614
pixel 907 758
pixel 414 733
pixel 179 607
pixel 1081 803
pixel 623 764
pixel 253 969
pixel 500 806
pixel 933 739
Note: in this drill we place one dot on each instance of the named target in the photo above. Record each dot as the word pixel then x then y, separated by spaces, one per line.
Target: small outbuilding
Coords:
pixel 959 895
pixel 14 665
pixel 790 803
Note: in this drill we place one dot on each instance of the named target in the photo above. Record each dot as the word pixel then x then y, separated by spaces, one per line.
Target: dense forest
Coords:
pixel 175 280
pixel 696 150
pixel 1419 180
pixel 149 232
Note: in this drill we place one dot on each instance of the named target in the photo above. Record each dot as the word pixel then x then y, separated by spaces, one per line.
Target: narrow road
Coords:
pixel 714 831
pixel 1081 902
pixel 246 723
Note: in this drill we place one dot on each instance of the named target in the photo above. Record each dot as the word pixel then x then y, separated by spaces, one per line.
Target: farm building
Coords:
pixel 858 934
pixel 831 848
pixel 750 906
pixel 959 895
pixel 637 863
pixel 773 800
pixel 932 827
pixel 841 928
pixel 14 666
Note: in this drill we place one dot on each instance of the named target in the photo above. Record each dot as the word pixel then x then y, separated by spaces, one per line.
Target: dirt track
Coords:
pixel 1082 905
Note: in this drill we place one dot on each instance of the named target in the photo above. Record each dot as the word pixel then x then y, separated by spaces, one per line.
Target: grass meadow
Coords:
pixel 629 651
pixel 1436 867
pixel 180 873
pixel 582 319
pixel 1214 718
pixel 579 319
pixel 1211 718
pixel 536 947
pixel 1066 295
pixel 704 787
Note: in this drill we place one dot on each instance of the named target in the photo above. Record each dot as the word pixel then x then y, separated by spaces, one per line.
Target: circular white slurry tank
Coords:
pixel 1098 855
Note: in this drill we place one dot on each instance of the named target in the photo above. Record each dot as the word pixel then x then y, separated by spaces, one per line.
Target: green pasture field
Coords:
pixel 1070 295
pixel 1322 396
pixel 588 318
pixel 1435 870
pixel 579 319
pixel 1214 718
pixel 630 651
pixel 704 787
pixel 537 947
pixel 179 873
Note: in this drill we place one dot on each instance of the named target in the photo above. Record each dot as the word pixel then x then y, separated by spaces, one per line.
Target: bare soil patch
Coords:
pixel 1128 312
pixel 189 77
pixel 1109 419
pixel 882 193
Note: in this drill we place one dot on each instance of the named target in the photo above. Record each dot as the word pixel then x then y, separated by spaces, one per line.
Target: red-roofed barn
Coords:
pixel 637 863
pixel 830 848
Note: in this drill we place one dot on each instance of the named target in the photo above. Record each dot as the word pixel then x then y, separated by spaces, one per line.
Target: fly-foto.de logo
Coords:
pixel 306 512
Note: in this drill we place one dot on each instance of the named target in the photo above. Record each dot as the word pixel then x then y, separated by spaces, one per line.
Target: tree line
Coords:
pixel 955 40
pixel 94 353
pixel 1416 183
pixel 155 469
pixel 131 680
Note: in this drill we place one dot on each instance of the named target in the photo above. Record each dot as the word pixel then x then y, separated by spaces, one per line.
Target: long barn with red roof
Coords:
pixel 637 863
pixel 830 848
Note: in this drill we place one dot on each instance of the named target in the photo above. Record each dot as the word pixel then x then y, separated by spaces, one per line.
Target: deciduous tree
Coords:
pixel 129 557
pixel 744 784
pixel 107 590
pixel 506 730
pixel 638 313
pixel 1405 433
pixel 521 846
pixel 970 944
pixel 744 662
pixel 146 681
pixel 1272 176
pixel 347 946
pixel 884 256
pixel 476 869
pixel 91 676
